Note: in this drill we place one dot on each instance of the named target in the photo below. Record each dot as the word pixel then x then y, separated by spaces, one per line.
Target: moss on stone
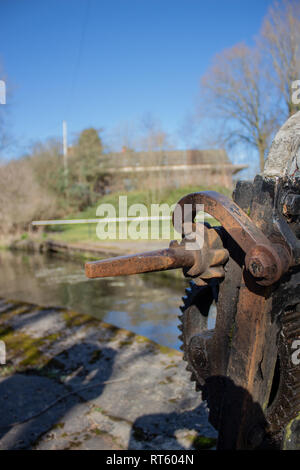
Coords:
pixel 170 366
pixel 288 434
pixel 200 442
pixel 59 425
pixel 98 432
pixel 73 319
pixel 127 339
pixel 173 400
pixel 22 348
pixel 168 351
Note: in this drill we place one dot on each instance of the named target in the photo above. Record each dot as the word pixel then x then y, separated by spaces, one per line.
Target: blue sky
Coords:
pixel 103 63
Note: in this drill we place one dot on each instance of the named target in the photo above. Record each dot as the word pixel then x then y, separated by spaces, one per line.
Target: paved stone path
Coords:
pixel 120 390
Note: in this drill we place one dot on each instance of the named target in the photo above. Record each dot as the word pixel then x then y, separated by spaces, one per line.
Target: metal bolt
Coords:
pixel 256 268
pixel 262 264
pixel 262 267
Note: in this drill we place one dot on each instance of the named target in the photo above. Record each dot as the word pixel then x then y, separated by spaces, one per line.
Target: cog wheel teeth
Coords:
pixel 188 301
pixel 286 404
pixel 193 302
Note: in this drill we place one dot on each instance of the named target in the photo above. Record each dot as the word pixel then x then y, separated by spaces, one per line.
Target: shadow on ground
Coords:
pixel 181 430
pixel 73 382
pixel 31 394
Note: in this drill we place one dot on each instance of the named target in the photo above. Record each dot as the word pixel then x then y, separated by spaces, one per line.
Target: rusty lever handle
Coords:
pixel 159 260
pixel 266 261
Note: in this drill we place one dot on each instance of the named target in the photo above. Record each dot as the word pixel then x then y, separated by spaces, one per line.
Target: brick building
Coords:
pixel 171 168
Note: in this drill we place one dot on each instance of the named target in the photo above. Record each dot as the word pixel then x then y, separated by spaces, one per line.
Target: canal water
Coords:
pixel 146 304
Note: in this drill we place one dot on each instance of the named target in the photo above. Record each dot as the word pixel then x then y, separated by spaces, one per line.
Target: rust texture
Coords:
pixel 204 263
pixel 266 261
pixel 159 260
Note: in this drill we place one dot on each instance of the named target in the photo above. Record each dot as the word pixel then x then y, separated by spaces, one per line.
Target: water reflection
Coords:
pixel 146 304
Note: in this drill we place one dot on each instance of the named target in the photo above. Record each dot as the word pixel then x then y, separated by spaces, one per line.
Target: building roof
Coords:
pixel 168 158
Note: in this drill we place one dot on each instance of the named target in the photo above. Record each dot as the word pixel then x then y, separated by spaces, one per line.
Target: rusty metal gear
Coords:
pixel 196 314
pixel 284 401
pixel 208 261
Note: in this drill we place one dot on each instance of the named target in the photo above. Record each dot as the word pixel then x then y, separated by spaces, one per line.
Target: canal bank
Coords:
pixel 146 304
pixel 87 250
pixel 74 382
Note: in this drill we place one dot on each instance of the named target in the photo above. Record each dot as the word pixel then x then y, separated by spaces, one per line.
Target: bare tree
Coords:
pixel 22 198
pixel 153 138
pixel 280 40
pixel 123 136
pixel 189 132
pixel 46 162
pixel 236 91
pixel 154 142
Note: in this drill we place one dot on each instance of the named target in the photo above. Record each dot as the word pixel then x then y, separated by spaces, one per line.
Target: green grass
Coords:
pixel 87 232
pixel 147 197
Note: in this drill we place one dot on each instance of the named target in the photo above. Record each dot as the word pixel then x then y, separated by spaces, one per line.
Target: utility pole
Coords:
pixel 65 153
